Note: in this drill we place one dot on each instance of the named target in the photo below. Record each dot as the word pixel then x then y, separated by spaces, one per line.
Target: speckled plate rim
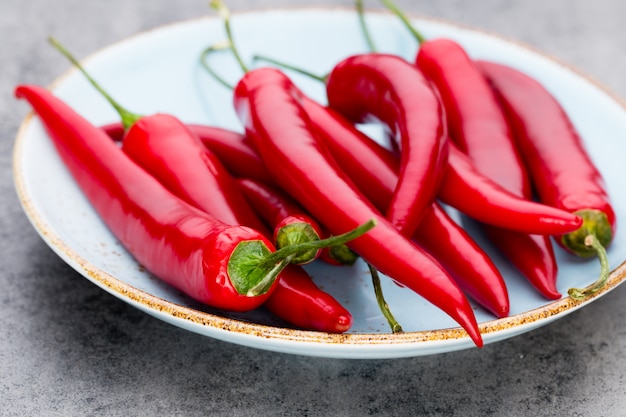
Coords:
pixel 312 343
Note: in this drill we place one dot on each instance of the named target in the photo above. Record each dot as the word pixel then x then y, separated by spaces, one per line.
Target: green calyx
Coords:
pixel 595 223
pixel 248 272
pixel 253 267
pixel 294 234
pixel 591 239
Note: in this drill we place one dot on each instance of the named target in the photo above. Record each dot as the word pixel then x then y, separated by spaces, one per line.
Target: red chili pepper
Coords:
pixel 267 102
pixel 478 126
pixel 374 171
pixel 195 175
pixel 389 89
pixel 481 198
pixel 562 171
pixel 284 216
pixel 243 161
pixel 170 152
pixel 190 250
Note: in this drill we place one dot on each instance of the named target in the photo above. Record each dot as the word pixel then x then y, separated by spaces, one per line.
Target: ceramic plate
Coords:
pixel 159 71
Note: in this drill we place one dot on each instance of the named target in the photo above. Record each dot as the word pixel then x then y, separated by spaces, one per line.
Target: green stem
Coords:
pixel 319 244
pixel 205 63
pixel 579 294
pixel 222 9
pixel 364 28
pixel 403 17
pixel 382 304
pixel 290 67
pixel 128 118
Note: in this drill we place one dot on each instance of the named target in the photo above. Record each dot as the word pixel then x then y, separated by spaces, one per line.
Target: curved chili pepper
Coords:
pixel 481 198
pixel 374 171
pixel 562 171
pixel 190 250
pixel 285 217
pixel 477 125
pixel 389 89
pixel 175 156
pixel 267 102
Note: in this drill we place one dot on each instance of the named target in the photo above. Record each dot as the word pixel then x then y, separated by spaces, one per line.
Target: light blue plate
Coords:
pixel 159 71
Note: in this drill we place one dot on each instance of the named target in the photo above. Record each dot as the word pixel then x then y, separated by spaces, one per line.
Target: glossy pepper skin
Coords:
pixel 479 128
pixel 232 149
pixel 178 243
pixel 462 186
pixel 562 171
pixel 266 102
pixel 374 171
pixel 389 89
pixel 173 154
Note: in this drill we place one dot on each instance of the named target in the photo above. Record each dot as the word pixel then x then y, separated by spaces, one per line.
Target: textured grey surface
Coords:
pixel 67 348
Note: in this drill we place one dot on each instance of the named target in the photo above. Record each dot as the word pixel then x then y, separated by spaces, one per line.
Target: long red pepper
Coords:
pixel 562 171
pixel 267 102
pixel 374 171
pixel 181 245
pixel 389 89
pixel 166 148
pixel 191 171
pixel 478 126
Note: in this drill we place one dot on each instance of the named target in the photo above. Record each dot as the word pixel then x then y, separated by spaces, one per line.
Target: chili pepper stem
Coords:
pixel 127 117
pixel 579 294
pixel 403 17
pixel 382 304
pixel 366 32
pixel 318 244
pixel 220 46
pixel 320 78
pixel 224 12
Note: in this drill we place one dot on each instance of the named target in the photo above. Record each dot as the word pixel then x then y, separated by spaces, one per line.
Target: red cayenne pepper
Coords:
pixel 188 168
pixel 374 171
pixel 563 173
pixel 389 89
pixel 227 267
pixel 479 128
pixel 267 102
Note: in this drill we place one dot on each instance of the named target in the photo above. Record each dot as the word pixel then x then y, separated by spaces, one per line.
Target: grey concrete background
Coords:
pixel 69 349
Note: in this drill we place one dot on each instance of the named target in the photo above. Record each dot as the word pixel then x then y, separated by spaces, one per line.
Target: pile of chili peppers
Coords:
pixel 230 217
